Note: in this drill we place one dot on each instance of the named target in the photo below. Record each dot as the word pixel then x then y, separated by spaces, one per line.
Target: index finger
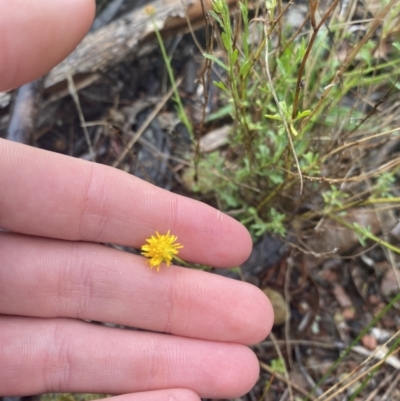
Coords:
pixel 52 195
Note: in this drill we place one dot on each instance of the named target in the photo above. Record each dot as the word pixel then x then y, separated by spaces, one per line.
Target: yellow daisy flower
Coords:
pixel 161 248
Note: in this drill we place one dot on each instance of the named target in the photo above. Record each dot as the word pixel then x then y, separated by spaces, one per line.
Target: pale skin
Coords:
pixel 54 273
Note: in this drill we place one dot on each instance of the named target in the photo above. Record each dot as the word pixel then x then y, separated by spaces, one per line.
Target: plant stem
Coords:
pixel 177 98
pixel 365 233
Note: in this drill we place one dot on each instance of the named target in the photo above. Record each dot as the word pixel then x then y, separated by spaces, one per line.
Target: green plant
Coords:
pixel 300 129
pixel 278 365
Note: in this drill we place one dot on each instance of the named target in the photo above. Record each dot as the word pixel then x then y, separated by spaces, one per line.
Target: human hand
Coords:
pixel 54 272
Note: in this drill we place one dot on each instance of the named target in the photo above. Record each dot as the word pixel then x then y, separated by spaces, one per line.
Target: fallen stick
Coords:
pixel 127 36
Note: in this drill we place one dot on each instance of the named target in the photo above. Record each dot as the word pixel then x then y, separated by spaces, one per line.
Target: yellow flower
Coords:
pixel 149 10
pixel 161 248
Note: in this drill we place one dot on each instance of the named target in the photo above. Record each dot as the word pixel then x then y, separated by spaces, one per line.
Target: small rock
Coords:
pixel 349 313
pixel 390 284
pixel 279 305
pixel 341 296
pixel 338 317
pixel 374 299
pixel 369 342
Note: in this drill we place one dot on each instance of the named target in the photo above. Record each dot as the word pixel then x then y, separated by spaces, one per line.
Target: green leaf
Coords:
pixel 274 117
pixel 303 114
pixel 277 365
pixel 396 45
pixel 220 85
pixel 281 67
pixel 223 112
pixel 301 50
pixel 275 177
pixel 244 69
pixel 215 16
pixel 226 40
pixel 218 6
pixel 235 55
pixel 216 61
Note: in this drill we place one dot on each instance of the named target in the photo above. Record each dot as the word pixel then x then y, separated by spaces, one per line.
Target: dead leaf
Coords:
pixel 214 139
pixel 390 284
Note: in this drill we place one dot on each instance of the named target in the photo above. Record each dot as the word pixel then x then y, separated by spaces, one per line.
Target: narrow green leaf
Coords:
pixel 244 69
pixel 220 85
pixel 274 117
pixel 226 40
pixel 217 18
pixel 303 114
pixel 235 55
pixel 216 61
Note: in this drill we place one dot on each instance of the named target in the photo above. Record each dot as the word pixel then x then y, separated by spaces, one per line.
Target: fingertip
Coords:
pixel 37 35
pixel 239 377
pixel 252 316
pixel 238 244
pixel 246 243
pixel 263 316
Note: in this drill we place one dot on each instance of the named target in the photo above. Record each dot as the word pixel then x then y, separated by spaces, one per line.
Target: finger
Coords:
pixel 58 355
pixel 178 394
pixel 53 278
pixel 37 35
pixel 57 196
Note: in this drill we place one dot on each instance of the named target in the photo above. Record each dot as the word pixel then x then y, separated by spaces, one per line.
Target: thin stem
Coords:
pixel 309 47
pixel 177 97
pixel 366 234
pixel 191 265
pixel 287 129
